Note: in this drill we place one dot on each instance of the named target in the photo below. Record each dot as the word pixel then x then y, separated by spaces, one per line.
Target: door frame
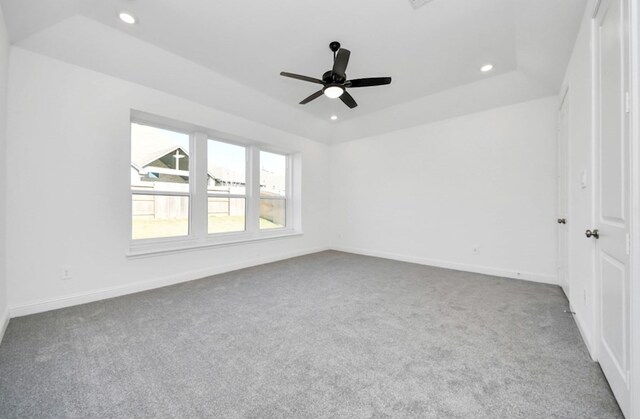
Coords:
pixel 634 150
pixel 564 164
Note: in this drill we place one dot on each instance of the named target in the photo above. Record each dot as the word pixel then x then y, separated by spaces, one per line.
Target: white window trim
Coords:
pixel 199 236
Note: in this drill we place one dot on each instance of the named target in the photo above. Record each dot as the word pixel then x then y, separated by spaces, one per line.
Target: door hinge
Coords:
pixel 627 105
pixel 628 245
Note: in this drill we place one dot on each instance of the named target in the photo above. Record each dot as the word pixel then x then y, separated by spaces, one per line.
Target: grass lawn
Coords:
pixel 147 228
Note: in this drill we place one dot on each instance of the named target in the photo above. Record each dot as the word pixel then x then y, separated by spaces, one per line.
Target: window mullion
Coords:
pixel 253 190
pixel 289 188
pixel 199 178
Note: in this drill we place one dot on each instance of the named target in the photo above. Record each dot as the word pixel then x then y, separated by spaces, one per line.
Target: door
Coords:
pixel 612 197
pixel 563 194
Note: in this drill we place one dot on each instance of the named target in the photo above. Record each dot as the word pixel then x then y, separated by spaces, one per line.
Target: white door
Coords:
pixel 612 197
pixel 563 194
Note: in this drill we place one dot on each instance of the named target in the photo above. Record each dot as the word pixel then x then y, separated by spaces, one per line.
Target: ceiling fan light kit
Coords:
pixel 333 91
pixel 335 81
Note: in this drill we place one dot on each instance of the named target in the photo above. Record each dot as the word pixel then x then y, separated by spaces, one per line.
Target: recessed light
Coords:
pixel 487 67
pixel 127 18
pixel 334 117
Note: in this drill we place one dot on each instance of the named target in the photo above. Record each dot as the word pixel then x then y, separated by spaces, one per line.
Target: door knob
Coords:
pixel 595 233
pixel 562 221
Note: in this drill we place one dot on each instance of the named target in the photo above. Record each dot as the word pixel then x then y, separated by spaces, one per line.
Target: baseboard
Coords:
pixel 43 305
pixel 486 270
pixel 4 323
pixel 586 335
pixel 40 306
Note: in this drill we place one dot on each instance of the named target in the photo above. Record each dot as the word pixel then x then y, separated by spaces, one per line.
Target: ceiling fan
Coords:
pixel 335 81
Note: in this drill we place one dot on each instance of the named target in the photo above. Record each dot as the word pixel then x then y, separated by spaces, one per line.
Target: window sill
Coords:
pixel 179 245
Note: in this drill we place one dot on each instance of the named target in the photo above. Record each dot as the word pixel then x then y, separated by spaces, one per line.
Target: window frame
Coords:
pixel 187 194
pixel 198 195
pixel 287 186
pixel 247 182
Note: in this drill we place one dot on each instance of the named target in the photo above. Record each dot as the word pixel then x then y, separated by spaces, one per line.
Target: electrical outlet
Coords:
pixel 475 249
pixel 66 273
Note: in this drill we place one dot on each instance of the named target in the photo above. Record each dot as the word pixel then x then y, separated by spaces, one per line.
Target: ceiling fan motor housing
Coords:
pixel 329 77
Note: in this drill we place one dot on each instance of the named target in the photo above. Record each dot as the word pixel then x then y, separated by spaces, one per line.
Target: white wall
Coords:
pixel 578 84
pixel 89 44
pixel 4 65
pixel 68 151
pixel 429 194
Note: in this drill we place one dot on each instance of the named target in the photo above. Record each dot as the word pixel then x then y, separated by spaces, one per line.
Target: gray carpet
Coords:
pixel 326 335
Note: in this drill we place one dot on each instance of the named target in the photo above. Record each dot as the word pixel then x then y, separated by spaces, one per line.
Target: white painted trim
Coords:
pixel 171 124
pixel 48 304
pixel 586 336
pixel 39 306
pixel 635 207
pixel 4 323
pixel 564 167
pixel 595 133
pixel 198 236
pixel 157 248
pixel 486 270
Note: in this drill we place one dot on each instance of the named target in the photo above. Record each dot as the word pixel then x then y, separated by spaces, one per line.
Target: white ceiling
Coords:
pixel 195 48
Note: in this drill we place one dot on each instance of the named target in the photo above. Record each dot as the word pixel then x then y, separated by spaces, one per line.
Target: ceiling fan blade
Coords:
pixel 312 97
pixel 341 62
pixel 348 100
pixel 299 77
pixel 371 81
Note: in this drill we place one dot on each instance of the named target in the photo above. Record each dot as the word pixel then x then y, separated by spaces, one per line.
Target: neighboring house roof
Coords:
pixel 141 158
pixel 146 150
pixel 144 153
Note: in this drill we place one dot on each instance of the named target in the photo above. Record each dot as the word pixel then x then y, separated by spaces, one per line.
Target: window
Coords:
pixel 273 190
pixel 159 182
pixel 193 188
pixel 226 187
